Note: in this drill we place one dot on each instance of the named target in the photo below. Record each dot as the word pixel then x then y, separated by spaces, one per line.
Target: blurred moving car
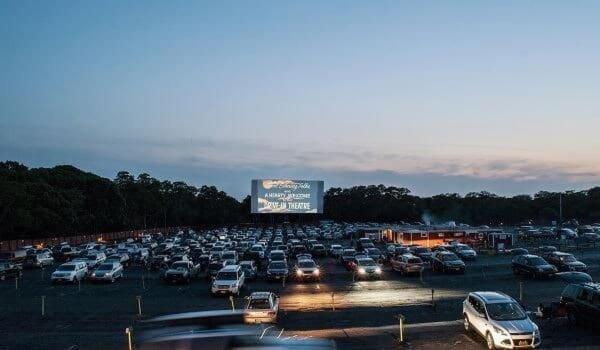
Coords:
pixel 500 320
pixel 262 307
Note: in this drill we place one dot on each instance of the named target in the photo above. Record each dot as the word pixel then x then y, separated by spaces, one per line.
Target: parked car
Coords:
pixel 532 265
pixel 93 260
pixel 262 307
pixel 464 251
pixel 214 267
pixel 422 252
pixel 107 272
pixel 335 250
pixel 367 268
pixel 230 257
pixel 447 262
pixel 519 251
pixel 307 269
pixel 407 264
pixel 566 262
pixel 277 270
pixel 318 250
pixel 158 262
pixel 9 269
pixel 500 320
pixel 582 302
pixel 38 260
pixel 70 272
pixel 229 280
pixel 181 272
pixel 250 270
pixel 375 254
pixel 277 255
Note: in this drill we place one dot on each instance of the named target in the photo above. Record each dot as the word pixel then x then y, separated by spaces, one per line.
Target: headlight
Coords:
pixel 94 274
pixel 378 270
pixel 499 330
pixel 299 272
pixel 362 271
pixel 316 272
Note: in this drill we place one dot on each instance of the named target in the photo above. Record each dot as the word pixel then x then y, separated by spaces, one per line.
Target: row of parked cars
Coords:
pixel 546 263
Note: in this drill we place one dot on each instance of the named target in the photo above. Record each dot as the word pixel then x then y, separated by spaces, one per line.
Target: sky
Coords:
pixel 435 96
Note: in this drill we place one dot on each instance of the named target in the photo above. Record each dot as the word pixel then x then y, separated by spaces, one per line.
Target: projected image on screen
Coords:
pixel 287 196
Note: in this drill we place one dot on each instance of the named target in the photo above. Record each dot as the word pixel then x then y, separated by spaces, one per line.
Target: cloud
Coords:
pixel 232 163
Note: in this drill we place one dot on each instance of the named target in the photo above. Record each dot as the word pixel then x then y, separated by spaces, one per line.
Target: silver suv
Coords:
pixel 500 320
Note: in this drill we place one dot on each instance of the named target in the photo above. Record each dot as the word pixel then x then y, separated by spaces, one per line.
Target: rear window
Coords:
pixel 227 276
pixel 259 304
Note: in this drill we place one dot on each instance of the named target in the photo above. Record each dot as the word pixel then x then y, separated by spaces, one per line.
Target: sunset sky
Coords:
pixel 435 96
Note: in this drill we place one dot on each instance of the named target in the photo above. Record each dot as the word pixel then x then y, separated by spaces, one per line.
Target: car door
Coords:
pixel 479 322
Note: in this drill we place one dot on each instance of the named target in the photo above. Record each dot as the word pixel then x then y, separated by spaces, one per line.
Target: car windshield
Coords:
pixel 567 258
pixel 506 311
pixel 256 249
pixel 105 267
pixel 66 268
pixel 366 263
pixel 449 257
pixel 306 263
pixel 227 276
pixel 536 261
pixel 229 256
pixel 259 304
pixel 277 256
pixel 277 265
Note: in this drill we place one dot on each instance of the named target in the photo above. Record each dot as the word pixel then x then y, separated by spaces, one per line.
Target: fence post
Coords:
pixel 232 303
pixel 400 327
pixel 43 305
pixel 128 332
pixel 139 304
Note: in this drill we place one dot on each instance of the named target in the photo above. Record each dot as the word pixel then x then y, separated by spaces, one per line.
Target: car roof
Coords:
pixel 260 295
pixel 230 268
pixel 493 297
pixel 530 256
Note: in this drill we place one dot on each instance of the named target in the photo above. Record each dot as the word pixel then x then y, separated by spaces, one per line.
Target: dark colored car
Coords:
pixel 519 251
pixel 318 250
pixel 447 262
pixel 532 265
pixel 582 302
pixel 277 270
pixel 422 252
pixel 9 270
pixel 566 262
pixel 214 267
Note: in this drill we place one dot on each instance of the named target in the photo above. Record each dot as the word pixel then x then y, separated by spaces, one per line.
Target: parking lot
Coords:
pixel 357 314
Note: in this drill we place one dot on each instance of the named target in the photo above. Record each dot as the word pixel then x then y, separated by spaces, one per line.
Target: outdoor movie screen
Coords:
pixel 287 196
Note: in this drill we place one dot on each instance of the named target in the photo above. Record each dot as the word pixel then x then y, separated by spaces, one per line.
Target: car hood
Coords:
pixel 454 263
pixel 517 326
pixel 576 264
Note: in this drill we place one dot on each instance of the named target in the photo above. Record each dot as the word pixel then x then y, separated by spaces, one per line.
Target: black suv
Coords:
pixel 532 265
pixel 447 262
pixel 582 302
pixel 566 262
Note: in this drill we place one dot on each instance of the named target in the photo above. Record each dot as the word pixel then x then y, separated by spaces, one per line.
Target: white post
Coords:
pixel 232 303
pixel 128 333
pixel 139 304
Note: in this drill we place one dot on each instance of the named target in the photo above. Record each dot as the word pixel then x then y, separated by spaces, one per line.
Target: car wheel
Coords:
pixel 490 341
pixel 466 323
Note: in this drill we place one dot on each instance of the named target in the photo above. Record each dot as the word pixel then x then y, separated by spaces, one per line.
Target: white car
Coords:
pixel 73 271
pixel 500 320
pixel 107 272
pixel 95 259
pixel 229 280
pixel 262 307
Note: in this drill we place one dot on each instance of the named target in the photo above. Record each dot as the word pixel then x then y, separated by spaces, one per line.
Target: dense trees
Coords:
pixel 64 200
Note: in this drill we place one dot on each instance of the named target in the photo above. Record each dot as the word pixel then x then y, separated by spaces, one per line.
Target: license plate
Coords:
pixel 522 342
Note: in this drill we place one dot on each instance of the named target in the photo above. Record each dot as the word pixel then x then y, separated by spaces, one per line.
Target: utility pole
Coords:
pixel 560 219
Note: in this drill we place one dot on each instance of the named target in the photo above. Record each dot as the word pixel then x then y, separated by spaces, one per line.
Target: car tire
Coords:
pixel 490 341
pixel 466 323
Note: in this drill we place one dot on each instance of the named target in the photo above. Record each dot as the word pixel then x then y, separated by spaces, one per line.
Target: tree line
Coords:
pixel 63 200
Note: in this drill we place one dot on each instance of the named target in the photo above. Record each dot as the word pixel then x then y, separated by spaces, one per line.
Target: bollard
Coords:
pixel 400 327
pixel 139 304
pixel 128 333
pixel 333 301
pixel 521 291
pixel 432 297
pixel 16 283
pixel 283 281
pixel 43 305
pixel 232 303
